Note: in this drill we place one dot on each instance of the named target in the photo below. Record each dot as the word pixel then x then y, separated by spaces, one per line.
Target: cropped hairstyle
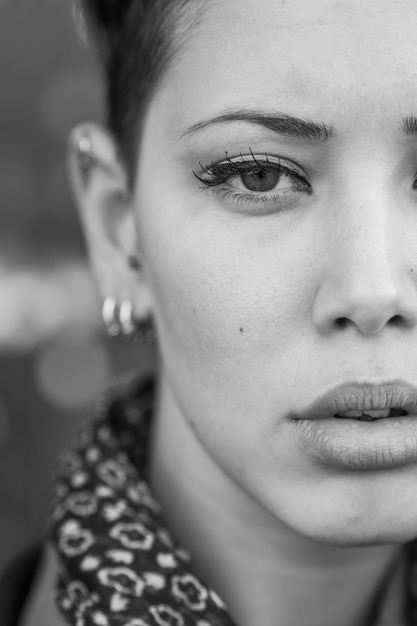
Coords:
pixel 136 40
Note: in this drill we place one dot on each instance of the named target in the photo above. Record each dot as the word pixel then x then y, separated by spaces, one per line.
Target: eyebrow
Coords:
pixel 286 125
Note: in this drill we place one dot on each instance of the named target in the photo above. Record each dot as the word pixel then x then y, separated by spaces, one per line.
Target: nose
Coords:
pixel 367 278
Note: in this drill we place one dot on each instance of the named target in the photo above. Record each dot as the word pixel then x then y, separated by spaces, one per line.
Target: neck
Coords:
pixel 265 572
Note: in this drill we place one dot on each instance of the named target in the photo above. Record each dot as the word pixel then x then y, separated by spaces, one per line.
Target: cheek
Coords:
pixel 221 295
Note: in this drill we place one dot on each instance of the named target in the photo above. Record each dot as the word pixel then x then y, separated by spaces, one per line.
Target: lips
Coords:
pixel 397 397
pixel 366 443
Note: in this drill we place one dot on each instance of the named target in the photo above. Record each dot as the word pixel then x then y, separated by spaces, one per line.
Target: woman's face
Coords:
pixel 271 287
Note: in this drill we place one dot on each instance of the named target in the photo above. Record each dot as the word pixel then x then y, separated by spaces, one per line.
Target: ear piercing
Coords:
pixel 133 262
pixel 122 324
pixel 84 155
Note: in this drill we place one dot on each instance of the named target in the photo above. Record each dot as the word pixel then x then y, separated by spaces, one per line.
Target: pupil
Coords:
pixel 261 180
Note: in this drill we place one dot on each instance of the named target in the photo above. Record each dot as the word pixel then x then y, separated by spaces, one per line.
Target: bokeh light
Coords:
pixel 71 373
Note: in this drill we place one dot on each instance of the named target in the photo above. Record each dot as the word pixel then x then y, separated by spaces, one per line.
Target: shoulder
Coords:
pixel 40 608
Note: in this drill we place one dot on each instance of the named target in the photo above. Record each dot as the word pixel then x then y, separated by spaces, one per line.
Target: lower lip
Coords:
pixel 362 446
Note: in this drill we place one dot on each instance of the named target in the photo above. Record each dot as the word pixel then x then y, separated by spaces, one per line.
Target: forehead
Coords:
pixel 312 58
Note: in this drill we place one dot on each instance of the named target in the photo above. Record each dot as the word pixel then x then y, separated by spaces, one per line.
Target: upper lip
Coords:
pixel 361 397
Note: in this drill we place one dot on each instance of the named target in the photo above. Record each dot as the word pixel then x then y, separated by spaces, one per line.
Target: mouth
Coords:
pixel 371 416
pixel 360 427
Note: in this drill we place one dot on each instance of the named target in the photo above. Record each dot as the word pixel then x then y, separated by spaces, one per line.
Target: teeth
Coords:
pixel 376 414
pixel 380 413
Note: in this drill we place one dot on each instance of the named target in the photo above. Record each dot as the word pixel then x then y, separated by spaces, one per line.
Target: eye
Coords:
pixel 261 179
pixel 252 179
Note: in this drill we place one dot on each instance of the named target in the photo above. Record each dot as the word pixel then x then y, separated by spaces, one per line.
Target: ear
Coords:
pixel 101 192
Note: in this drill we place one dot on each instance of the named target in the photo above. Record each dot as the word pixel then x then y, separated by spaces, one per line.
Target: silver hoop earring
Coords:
pixel 121 323
pixel 111 316
pixel 127 323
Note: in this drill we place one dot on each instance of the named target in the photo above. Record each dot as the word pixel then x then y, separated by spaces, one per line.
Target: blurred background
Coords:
pixel 54 353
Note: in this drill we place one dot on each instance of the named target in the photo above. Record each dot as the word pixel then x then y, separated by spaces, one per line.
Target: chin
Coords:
pixel 351 510
pixel 360 529
pixel 366 537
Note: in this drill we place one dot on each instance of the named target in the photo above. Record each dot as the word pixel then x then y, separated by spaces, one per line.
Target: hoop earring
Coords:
pixel 121 323
pixel 126 318
pixel 111 316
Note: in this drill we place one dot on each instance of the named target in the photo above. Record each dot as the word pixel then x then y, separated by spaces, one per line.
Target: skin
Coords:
pixel 246 296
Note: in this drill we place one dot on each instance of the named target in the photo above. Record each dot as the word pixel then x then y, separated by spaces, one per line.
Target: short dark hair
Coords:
pixel 136 41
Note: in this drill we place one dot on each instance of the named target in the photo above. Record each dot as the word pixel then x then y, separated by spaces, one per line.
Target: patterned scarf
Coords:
pixel 119 563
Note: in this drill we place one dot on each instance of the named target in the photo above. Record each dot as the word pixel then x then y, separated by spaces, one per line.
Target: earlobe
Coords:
pixel 101 193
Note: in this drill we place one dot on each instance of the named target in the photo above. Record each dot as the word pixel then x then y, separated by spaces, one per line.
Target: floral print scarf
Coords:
pixel 119 565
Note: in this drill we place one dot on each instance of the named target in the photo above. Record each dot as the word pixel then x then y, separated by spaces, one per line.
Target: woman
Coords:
pixel 255 194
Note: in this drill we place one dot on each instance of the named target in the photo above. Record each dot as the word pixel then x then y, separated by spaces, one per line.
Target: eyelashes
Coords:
pixel 252 179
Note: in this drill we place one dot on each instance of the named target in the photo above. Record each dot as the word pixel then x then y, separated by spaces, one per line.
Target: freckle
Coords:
pixel 241 330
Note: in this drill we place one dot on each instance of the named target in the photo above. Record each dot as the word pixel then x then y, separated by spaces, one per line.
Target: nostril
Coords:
pixel 396 320
pixel 341 322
